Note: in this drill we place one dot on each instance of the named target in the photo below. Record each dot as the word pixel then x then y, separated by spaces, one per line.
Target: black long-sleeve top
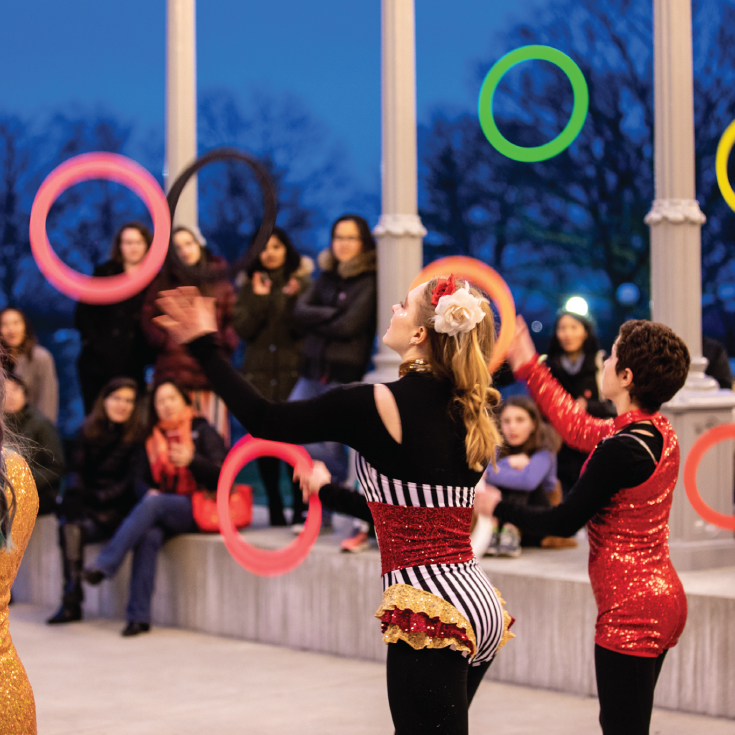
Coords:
pixel 432 449
pixel 620 461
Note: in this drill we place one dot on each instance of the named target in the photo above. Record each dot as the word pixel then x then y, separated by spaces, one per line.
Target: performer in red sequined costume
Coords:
pixel 624 496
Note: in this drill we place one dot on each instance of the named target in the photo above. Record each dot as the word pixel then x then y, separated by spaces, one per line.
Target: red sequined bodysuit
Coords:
pixel 640 600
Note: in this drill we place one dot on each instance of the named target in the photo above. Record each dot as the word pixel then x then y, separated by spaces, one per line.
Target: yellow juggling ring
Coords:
pixel 723 154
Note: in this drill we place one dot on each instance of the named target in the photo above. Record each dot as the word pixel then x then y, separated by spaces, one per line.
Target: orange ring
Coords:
pixel 700 448
pixel 492 283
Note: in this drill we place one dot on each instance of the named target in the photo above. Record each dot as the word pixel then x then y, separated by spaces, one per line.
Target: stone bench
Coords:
pixel 327 605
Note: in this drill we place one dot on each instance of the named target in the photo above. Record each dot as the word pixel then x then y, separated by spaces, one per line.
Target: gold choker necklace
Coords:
pixel 414 366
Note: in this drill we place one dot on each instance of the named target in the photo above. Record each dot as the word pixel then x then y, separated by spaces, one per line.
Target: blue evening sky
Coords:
pixel 111 53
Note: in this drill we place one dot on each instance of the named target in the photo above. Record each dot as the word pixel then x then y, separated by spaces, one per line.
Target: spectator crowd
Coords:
pixel 145 449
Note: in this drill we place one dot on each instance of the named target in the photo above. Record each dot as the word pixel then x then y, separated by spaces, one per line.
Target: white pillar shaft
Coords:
pixel 181 104
pixel 675 218
pixel 399 230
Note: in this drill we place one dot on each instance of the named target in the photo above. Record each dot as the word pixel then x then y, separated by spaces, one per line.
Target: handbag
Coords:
pixel 204 508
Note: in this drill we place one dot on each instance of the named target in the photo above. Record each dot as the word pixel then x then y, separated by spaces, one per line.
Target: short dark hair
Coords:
pixel 368 241
pixel 293 259
pixel 116 253
pixel 658 359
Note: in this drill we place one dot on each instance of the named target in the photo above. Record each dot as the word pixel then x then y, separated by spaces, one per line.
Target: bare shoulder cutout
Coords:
pixel 388 411
pixel 641 431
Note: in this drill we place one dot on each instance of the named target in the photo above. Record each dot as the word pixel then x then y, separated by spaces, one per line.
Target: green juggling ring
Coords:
pixel 573 127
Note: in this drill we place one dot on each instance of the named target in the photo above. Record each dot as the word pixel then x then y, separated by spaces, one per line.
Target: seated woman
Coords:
pixel 183 453
pixel 526 467
pixel 41 445
pixel 101 487
pixel 23 356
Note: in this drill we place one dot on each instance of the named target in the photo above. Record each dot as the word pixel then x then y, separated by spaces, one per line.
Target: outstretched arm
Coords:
pixel 576 427
pixel 344 414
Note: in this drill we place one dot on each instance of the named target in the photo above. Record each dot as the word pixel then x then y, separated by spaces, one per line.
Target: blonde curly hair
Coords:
pixel 463 360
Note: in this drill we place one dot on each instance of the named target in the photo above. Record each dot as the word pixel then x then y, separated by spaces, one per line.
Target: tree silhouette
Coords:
pixel 574 223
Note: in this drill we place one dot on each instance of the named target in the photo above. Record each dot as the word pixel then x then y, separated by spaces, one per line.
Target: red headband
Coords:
pixel 446 286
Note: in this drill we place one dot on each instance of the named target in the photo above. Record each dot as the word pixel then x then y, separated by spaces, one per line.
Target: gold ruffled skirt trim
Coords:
pixel 406 597
pixel 508 620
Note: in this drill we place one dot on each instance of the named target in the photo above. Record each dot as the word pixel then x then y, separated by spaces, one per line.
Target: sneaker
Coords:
pixel 355 544
pixel 492 548
pixel 297 528
pixel 510 542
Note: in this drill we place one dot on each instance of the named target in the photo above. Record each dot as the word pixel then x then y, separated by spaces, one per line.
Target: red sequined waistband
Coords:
pixel 411 537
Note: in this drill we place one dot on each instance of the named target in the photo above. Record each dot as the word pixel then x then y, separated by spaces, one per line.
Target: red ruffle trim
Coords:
pixel 418 622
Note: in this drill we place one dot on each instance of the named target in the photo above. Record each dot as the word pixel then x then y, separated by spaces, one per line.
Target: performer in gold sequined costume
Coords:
pixel 17 706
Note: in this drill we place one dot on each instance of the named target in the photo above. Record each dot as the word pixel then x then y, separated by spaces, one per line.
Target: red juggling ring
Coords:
pixel 112 167
pixel 490 281
pixel 261 561
pixel 700 448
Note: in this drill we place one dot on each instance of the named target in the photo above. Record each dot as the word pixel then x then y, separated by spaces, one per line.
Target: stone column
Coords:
pixel 399 230
pixel 181 104
pixel 675 220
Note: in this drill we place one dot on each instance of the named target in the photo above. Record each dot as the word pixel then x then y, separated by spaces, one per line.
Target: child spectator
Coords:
pixel 101 487
pixel 23 356
pixel 526 467
pixel 183 453
pixel 41 442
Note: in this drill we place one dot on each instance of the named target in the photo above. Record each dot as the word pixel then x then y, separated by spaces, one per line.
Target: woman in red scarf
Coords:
pixel 183 453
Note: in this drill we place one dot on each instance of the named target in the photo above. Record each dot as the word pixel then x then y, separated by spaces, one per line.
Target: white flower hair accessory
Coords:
pixel 457 310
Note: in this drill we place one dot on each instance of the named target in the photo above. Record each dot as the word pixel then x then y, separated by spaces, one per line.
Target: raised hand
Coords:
pixel 522 349
pixel 186 314
pixel 261 284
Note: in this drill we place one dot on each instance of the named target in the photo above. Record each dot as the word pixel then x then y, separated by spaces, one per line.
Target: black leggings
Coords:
pixel 625 686
pixel 430 690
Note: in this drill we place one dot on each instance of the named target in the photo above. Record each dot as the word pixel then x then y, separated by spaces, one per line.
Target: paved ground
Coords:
pixel 87 679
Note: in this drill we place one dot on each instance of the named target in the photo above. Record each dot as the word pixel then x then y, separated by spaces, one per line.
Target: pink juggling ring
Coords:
pixel 112 167
pixel 700 448
pixel 263 562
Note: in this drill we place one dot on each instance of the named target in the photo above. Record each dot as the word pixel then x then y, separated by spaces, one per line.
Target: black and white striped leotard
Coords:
pixel 420 491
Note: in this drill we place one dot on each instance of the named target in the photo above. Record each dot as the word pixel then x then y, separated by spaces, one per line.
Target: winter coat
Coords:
pixel 43 452
pixel 338 314
pixel 38 372
pixel 173 361
pixel 103 479
pixel 209 455
pixel 113 343
pixel 273 342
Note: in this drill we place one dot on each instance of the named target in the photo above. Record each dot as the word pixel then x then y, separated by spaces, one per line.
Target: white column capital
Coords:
pixel 399 225
pixel 676 211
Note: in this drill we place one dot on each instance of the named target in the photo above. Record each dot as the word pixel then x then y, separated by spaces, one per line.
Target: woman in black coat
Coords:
pixel 113 343
pixel 576 361
pixel 274 277
pixel 101 487
pixel 338 314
